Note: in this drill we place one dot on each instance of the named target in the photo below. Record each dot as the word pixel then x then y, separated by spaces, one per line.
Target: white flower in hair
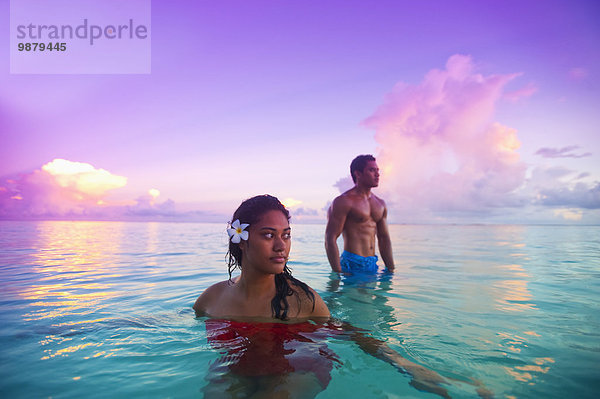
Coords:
pixel 237 232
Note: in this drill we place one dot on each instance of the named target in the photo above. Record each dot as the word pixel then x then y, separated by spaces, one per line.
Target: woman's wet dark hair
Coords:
pixel 250 211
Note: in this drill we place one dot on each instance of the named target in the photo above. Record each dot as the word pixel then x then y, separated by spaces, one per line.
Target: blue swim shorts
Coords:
pixel 355 263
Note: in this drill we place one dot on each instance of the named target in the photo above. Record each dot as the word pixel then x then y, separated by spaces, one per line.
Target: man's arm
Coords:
pixel 385 243
pixel 336 217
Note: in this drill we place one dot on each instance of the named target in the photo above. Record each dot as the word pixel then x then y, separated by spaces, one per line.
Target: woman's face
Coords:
pixel 268 244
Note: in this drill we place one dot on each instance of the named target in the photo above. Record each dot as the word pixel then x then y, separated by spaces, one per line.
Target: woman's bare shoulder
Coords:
pixel 319 309
pixel 210 296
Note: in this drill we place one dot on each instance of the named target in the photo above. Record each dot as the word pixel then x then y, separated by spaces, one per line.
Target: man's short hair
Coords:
pixel 359 163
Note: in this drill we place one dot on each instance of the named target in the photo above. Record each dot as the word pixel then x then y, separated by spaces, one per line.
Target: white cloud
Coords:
pixel 569 214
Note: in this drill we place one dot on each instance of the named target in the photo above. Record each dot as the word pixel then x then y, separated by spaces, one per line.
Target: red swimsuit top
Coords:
pixel 261 349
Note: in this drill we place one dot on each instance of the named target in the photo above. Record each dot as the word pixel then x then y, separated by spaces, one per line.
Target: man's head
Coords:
pixel 358 165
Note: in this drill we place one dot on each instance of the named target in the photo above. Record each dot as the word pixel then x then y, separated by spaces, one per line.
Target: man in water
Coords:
pixel 359 215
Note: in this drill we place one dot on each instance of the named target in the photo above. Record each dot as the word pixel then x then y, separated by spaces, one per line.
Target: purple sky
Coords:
pixel 477 111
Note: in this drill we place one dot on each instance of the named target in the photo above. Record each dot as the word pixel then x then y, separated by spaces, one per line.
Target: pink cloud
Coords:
pixel 578 73
pixel 74 190
pixel 58 188
pixel 439 147
pixel 524 92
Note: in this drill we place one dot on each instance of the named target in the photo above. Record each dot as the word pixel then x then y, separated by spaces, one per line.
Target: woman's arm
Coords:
pixel 422 378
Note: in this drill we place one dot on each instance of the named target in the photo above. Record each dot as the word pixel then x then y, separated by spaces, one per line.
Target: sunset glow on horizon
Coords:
pixel 477 113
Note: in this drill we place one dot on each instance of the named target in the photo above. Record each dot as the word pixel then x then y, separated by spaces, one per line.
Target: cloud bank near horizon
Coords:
pixel 442 153
pixel 63 189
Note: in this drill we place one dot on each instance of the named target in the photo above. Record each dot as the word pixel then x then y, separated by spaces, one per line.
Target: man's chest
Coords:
pixel 366 211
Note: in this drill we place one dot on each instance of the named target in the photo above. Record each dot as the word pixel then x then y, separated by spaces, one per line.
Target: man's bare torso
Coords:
pixel 360 226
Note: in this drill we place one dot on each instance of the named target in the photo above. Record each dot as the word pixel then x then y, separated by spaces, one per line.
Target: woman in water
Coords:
pixel 257 318
pixel 271 327
pixel 265 288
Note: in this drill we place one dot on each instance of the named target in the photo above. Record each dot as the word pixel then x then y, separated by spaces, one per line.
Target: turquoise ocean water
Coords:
pixel 103 309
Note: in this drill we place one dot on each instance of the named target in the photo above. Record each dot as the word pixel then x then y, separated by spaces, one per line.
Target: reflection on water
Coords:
pixel 73 268
pixel 362 299
pixel 456 273
pixel 526 373
pixel 78 278
pixel 513 292
pixel 74 272
pixel 69 349
pixel 515 296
